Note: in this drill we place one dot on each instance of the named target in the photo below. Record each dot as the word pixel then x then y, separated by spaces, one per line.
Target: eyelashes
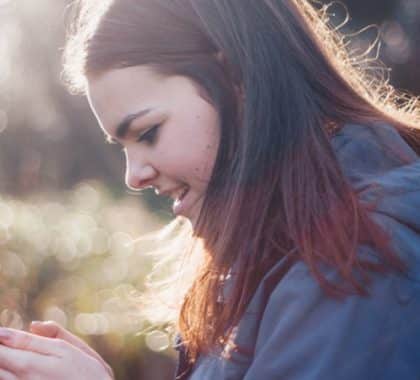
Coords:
pixel 149 137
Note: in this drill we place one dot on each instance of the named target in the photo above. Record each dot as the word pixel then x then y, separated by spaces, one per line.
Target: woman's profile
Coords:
pixel 297 168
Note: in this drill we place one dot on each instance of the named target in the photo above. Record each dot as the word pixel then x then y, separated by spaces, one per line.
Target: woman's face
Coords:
pixel 169 133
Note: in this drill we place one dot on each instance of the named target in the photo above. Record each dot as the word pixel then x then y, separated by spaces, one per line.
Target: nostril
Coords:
pixel 140 177
pixel 129 181
pixel 135 183
pixel 131 185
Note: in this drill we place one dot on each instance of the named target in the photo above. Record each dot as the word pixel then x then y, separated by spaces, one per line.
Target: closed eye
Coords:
pixel 150 135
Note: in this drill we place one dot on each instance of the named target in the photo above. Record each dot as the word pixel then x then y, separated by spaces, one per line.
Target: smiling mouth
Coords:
pixel 183 194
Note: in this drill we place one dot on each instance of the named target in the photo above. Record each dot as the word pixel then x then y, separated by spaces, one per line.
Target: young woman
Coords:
pixel 298 170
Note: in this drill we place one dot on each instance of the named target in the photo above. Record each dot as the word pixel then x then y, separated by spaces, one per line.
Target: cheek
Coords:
pixel 207 151
pixel 204 161
pixel 193 163
pixel 197 140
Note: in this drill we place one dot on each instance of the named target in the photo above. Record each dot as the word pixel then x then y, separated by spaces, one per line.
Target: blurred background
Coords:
pixel 67 223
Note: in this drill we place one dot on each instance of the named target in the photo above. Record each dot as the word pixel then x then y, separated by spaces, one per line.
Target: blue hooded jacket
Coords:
pixel 296 332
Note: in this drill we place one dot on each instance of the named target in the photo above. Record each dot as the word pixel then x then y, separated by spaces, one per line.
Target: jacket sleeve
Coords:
pixel 305 335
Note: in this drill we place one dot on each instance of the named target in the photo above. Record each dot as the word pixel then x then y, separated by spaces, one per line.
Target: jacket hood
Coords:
pixel 385 171
pixel 292 328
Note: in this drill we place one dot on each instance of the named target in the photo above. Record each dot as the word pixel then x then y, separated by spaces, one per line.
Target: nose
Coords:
pixel 139 175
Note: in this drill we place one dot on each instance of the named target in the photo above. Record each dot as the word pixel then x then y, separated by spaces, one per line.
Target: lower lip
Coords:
pixel 181 206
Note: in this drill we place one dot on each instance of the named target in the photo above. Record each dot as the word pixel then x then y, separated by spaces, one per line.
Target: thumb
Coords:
pixel 47 329
pixel 52 329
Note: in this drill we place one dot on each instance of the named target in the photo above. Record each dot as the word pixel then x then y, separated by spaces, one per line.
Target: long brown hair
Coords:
pixel 283 83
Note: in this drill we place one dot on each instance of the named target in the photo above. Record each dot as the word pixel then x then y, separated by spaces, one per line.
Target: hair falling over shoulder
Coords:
pixel 299 85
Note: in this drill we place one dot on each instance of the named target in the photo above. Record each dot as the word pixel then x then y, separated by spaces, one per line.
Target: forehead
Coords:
pixel 115 93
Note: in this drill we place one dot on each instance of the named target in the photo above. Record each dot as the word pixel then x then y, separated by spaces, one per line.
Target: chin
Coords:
pixel 193 216
pixel 193 222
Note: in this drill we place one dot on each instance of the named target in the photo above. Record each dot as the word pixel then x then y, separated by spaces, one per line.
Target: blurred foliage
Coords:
pixel 67 225
pixel 72 257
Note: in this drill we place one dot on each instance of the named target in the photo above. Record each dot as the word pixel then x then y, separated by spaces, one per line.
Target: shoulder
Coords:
pixel 370 150
pixel 307 334
pixel 385 173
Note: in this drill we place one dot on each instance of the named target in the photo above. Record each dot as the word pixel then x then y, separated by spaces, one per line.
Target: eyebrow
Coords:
pixel 125 124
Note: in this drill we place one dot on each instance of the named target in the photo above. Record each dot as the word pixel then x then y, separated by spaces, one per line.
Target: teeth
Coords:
pixel 182 193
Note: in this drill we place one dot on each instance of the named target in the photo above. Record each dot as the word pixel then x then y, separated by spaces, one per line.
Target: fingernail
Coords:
pixel 36 323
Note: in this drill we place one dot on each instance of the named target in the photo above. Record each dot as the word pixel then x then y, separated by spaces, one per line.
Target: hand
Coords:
pixel 27 356
pixel 51 329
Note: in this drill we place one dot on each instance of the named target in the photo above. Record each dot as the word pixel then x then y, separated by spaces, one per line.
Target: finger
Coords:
pixel 52 329
pixel 19 362
pixel 48 328
pixel 6 375
pixel 25 341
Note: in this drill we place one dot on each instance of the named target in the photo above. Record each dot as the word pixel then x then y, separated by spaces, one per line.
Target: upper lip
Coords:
pixel 173 193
